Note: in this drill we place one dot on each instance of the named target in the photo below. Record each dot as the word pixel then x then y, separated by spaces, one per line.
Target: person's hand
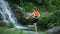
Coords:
pixel 28 15
pixel 27 18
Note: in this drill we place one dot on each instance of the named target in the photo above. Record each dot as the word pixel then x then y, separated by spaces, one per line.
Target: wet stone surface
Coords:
pixel 54 31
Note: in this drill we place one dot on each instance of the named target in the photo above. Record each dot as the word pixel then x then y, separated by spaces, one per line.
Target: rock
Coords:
pixel 0 17
pixel 55 30
pixel 2 24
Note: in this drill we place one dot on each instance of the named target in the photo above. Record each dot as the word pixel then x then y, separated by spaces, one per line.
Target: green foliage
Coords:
pixel 49 21
pixel 10 25
pixel 14 1
pixel 42 4
pixel 6 31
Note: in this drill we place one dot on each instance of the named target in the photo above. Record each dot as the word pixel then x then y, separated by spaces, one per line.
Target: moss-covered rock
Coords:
pixel 0 17
pixel 2 24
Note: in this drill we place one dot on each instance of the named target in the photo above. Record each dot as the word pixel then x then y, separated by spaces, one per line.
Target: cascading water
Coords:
pixel 7 14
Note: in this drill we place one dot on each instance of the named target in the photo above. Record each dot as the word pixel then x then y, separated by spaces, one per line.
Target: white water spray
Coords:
pixel 7 14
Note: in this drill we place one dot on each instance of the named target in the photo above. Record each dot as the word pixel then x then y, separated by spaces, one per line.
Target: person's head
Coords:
pixel 34 8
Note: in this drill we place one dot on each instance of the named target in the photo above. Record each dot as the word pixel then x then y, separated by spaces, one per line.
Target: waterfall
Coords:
pixel 7 13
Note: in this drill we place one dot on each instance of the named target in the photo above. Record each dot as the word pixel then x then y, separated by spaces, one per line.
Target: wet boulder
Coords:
pixel 54 31
pixel 1 22
pixel 0 17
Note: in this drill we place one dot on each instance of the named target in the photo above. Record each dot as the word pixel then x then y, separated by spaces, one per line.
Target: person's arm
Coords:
pixel 33 15
pixel 39 14
pixel 29 15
